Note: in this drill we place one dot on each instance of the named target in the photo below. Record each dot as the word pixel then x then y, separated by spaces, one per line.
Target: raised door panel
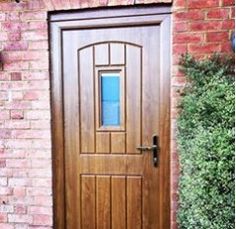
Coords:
pixel 111 86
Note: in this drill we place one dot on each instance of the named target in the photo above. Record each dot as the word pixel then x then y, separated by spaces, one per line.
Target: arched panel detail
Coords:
pixel 109 53
pixel 122 63
pixel 110 42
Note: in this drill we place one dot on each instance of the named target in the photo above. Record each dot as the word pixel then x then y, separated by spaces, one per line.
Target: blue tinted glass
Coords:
pixel 110 93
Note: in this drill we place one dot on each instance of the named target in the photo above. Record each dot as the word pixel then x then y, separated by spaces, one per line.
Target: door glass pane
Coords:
pixel 110 99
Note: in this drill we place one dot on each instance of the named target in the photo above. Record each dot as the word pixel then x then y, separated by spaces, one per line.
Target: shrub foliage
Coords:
pixel 206 144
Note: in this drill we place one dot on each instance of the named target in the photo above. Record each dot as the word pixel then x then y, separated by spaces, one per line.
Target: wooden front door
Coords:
pixel 110 98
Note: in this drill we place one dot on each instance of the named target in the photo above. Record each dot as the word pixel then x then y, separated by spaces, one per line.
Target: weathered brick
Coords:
pixel 3 95
pixel 5 172
pixel 200 4
pixel 17 124
pixel 41 182
pixel 6 226
pixel 18 144
pixel 32 16
pixel 18 163
pixel 39 173
pixel 228 24
pixel 42 220
pixel 13 6
pixel 16 95
pixel 205 25
pixel 58 4
pixel 13 16
pixel 39 65
pixel 21 226
pixel 19 182
pixel 218 13
pixel 18 104
pixel 187 38
pixel 150 1
pixel 20 209
pixel 179 4
pixel 18 85
pixel 3 217
pixel 38 191
pixel 3 36
pixel 19 191
pixel 38 45
pixel 3 182
pixel 43 201
pixel 180 27
pixel 14 36
pixel 31 95
pixel 15 46
pixel 5 134
pixel 217 36
pixel 206 48
pixel 2 16
pixel 114 2
pixel 6 208
pixel 24 55
pixel 4 114
pixel 10 153
pixel 36 5
pixel 16 26
pixel 36 75
pixel 42 143
pixel 5 190
pixel 232 12
pixel 16 76
pixel 228 2
pixel 17 114
pixel 5 85
pixel 226 47
pixel 19 218
pixel 4 76
pixel 35 210
pixel 20 172
pixel 38 85
pixel 38 25
pixel 42 105
pixel 38 114
pixel 35 35
pixel 189 15
pixel 30 134
pixel 40 124
pixel 49 5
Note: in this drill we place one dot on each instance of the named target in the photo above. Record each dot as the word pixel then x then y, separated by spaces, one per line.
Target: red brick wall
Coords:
pixel 199 26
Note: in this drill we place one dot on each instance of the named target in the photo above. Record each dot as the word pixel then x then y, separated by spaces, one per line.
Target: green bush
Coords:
pixel 206 144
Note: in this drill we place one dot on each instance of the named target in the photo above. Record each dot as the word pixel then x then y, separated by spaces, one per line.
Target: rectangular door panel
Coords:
pixel 113 97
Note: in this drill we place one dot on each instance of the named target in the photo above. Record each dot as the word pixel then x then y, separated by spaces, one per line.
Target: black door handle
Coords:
pixel 154 148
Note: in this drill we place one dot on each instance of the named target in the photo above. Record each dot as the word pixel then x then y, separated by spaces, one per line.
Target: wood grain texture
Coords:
pixel 88 198
pixel 72 135
pixel 103 143
pixel 133 99
pixel 102 54
pixel 117 53
pixel 100 179
pixel 118 193
pixel 118 143
pixel 57 130
pixel 86 100
pixel 103 202
pixel 134 202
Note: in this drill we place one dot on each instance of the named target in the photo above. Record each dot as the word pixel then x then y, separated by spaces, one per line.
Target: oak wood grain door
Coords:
pixel 110 95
